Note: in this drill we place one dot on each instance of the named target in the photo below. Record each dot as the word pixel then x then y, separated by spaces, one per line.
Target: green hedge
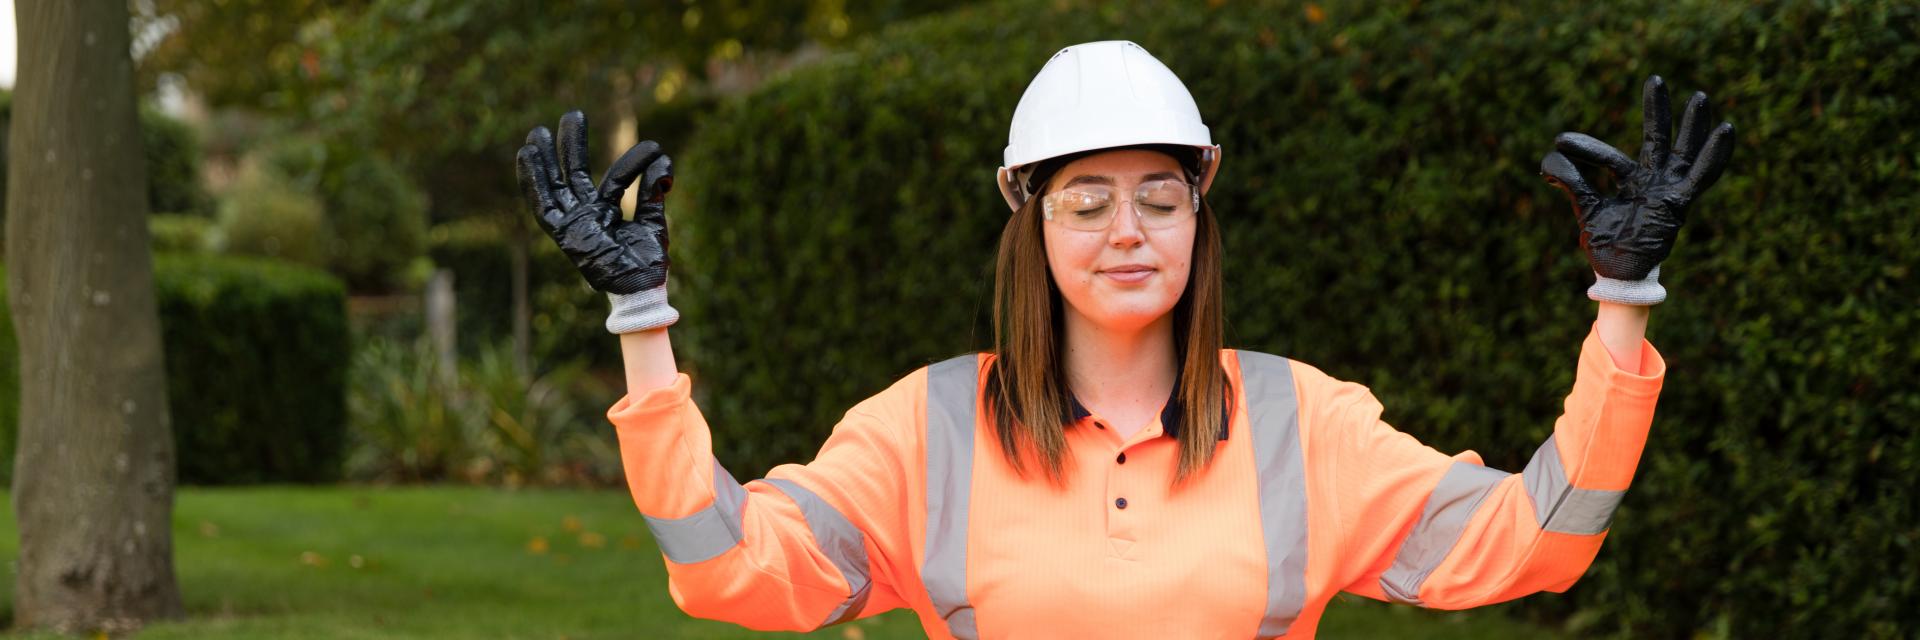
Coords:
pixel 1384 220
pixel 256 356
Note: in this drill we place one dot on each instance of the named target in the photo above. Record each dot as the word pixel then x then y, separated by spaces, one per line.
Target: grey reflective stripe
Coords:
pixel 836 537
pixel 1273 419
pixel 706 533
pixel 1441 522
pixel 1557 504
pixel 952 390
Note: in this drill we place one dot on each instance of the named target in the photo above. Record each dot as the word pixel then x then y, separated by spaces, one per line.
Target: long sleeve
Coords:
pixel 803 548
pixel 1440 531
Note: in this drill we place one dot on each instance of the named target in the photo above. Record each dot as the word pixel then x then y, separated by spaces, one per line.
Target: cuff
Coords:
pixel 1644 292
pixel 640 311
pixel 1597 362
pixel 655 402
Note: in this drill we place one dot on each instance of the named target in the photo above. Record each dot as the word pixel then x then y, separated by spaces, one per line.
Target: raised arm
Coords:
pixel 1448 532
pixel 795 551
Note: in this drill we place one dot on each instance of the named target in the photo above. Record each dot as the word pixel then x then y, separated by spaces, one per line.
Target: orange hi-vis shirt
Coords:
pixel 911 504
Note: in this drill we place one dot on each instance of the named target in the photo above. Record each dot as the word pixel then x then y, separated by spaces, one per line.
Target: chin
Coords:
pixel 1130 317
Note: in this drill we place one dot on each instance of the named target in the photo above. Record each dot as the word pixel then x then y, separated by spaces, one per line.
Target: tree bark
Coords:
pixel 94 471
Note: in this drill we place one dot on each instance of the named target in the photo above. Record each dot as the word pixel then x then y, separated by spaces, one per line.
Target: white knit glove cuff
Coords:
pixel 640 311
pixel 1646 292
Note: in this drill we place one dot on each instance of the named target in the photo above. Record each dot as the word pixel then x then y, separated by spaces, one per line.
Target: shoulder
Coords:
pixel 901 408
pixel 1315 390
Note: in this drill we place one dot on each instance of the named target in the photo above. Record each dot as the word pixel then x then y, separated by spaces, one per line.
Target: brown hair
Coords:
pixel 1027 391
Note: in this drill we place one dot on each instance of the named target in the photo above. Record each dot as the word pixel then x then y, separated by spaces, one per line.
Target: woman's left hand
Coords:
pixel 1627 234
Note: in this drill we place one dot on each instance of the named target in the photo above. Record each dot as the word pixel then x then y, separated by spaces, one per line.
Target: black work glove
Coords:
pixel 625 259
pixel 1628 234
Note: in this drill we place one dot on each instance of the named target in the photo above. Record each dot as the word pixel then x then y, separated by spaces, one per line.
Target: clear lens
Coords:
pixel 1159 204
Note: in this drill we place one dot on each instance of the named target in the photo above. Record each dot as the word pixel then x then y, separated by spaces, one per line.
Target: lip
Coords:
pixel 1129 273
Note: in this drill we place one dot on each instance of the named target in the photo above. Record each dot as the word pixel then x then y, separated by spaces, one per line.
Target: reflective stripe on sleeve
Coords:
pixel 1273 417
pixel 707 533
pixel 1560 506
pixel 836 537
pixel 952 392
pixel 1442 520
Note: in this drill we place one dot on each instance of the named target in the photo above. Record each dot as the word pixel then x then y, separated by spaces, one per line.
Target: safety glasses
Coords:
pixel 1158 204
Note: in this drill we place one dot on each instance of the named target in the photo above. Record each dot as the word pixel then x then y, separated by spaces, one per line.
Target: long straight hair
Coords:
pixel 1027 391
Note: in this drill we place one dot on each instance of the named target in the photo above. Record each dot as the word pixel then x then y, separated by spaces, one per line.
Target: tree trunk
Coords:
pixel 94 471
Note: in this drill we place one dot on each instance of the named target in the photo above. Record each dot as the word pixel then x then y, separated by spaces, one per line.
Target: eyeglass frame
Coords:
pixel 1192 189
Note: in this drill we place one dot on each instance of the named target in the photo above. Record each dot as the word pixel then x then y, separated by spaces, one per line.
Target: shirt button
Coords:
pixel 1120 502
pixel 1122 459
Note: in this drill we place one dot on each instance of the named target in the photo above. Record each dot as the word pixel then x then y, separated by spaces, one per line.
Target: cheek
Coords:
pixel 1178 256
pixel 1070 258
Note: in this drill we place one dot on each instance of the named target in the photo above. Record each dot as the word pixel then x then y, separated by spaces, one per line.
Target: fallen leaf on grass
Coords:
pixel 209 530
pixel 592 540
pixel 537 546
pixel 312 559
pixel 571 524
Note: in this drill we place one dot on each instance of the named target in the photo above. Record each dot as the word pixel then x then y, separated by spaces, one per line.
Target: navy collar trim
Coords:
pixel 1169 415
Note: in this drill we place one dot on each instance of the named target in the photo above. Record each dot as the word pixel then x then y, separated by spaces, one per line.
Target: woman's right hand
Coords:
pixel 626 259
pixel 615 255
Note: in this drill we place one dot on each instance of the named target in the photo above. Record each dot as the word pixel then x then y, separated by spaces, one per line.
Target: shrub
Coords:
pixel 568 318
pixel 256 368
pixel 179 233
pixel 266 214
pixel 487 423
pixel 256 358
pixel 1383 220
pixel 377 215
pixel 173 165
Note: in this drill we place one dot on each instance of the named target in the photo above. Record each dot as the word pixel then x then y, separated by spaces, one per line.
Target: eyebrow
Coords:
pixel 1108 180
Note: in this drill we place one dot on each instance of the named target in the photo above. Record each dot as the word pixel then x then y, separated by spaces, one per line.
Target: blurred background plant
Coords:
pixel 414 421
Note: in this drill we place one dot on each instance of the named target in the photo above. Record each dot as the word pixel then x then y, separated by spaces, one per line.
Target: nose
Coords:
pixel 1125 232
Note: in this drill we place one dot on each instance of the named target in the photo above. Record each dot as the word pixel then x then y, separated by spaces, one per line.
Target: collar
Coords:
pixel 1169 415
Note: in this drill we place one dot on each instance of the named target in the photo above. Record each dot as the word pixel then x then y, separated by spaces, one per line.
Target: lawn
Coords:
pixel 459 562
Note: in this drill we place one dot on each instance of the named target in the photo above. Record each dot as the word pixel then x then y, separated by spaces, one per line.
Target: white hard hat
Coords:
pixel 1101 95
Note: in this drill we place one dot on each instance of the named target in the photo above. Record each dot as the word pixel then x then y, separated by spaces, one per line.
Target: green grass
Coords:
pixel 457 562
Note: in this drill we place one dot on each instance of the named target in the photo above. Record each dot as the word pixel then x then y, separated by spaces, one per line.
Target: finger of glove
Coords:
pixel 573 154
pixel 1694 127
pixel 1561 172
pixel 658 180
pixel 1656 118
pixel 1713 158
pixel 621 174
pixel 1585 148
pixel 542 141
pixel 533 180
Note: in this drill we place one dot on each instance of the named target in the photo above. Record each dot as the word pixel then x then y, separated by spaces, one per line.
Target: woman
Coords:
pixel 1110 470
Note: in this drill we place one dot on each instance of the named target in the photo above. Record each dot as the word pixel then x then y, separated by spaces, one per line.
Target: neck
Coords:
pixel 1120 370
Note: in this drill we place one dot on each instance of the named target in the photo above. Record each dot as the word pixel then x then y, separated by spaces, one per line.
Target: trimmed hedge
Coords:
pixel 256 357
pixel 1384 220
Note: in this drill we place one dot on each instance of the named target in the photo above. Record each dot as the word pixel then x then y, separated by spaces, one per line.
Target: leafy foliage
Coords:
pixel 1384 221
pixel 377 217
pixel 266 214
pixel 256 360
pixel 485 423
pixel 256 357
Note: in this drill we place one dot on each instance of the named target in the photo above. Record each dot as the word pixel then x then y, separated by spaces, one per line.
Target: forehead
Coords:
pixel 1124 165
